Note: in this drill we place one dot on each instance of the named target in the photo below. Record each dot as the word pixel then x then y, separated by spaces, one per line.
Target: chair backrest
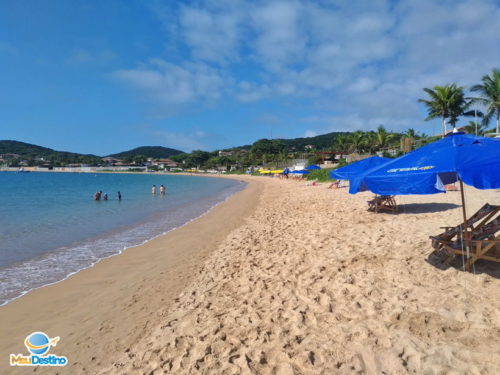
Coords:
pixel 484 211
pixel 487 230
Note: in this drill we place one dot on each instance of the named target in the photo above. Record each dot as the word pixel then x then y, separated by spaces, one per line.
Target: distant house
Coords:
pixel 309 147
pixel 225 153
pixel 109 160
pixel 165 163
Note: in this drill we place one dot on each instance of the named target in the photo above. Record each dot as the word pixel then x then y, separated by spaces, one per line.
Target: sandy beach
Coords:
pixel 282 278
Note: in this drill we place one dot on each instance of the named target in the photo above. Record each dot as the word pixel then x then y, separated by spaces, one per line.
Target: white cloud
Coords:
pixel 363 62
pixel 174 84
pixel 211 36
pixel 279 38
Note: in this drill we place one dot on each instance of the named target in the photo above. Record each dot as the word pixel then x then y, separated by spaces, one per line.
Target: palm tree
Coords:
pixel 342 143
pixel 370 142
pixel 460 106
pixel 382 137
pixel 411 133
pixel 490 96
pixel 357 140
pixel 472 126
pixel 446 102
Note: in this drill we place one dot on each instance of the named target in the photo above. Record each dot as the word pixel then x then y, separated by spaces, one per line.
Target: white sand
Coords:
pixel 307 283
pixel 314 284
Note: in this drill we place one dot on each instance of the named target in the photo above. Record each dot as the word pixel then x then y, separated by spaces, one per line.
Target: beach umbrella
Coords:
pixel 286 171
pixel 479 166
pixel 457 157
pixel 354 169
pixel 303 171
pixel 312 167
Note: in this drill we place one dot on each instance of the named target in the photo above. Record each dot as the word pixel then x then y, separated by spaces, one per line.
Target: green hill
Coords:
pixel 156 152
pixel 30 152
pixel 320 142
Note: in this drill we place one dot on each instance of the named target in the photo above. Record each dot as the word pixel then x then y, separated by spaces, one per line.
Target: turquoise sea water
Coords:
pixel 50 227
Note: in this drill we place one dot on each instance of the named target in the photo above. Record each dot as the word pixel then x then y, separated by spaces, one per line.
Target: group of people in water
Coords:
pixel 98 195
pixel 163 190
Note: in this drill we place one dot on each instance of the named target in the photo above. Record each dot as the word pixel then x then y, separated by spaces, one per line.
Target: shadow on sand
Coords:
pixel 481 266
pixel 425 208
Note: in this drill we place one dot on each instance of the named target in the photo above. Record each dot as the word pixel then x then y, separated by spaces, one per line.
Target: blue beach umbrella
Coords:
pixel 303 171
pixel 473 160
pixel 458 157
pixel 354 169
pixel 479 166
pixel 312 167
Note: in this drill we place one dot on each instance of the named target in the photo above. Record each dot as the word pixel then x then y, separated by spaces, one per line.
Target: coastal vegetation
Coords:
pixel 448 103
pixel 16 153
pixel 157 152
pixel 489 97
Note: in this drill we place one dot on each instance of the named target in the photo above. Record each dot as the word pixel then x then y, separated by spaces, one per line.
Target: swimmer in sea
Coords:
pixel 153 190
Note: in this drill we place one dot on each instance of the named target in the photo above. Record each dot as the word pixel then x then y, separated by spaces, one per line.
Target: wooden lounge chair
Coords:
pixel 334 185
pixel 482 240
pixel 383 202
pixel 448 236
pixel 485 244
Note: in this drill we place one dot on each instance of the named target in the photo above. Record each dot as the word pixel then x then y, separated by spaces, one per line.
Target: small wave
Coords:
pixel 57 265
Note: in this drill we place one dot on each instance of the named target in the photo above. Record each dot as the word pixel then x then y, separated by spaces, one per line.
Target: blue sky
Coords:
pixel 105 76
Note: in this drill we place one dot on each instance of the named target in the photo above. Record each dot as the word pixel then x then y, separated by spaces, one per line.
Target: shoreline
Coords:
pixel 34 310
pixel 116 252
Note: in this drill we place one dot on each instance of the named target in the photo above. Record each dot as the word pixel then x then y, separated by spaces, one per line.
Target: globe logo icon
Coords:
pixel 39 343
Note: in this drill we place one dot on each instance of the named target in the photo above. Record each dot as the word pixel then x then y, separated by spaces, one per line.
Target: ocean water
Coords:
pixel 50 227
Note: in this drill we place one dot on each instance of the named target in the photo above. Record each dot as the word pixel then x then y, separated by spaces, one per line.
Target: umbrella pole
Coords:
pixel 465 236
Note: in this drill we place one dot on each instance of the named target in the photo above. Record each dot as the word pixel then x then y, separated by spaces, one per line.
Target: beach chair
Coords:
pixel 448 236
pixel 481 241
pixel 383 202
pixel 334 185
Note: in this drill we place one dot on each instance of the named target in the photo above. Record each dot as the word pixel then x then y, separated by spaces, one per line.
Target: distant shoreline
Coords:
pixel 66 170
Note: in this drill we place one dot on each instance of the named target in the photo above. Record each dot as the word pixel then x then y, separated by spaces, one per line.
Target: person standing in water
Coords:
pixel 119 196
pixel 153 190
pixel 105 196
pixel 163 190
